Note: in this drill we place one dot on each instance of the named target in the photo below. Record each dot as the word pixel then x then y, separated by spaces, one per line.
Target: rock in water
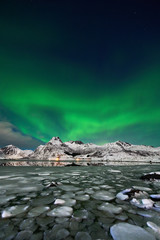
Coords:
pixel 151 176
pixel 126 231
pixel 134 192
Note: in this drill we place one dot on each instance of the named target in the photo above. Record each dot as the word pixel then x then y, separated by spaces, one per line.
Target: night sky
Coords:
pixel 80 70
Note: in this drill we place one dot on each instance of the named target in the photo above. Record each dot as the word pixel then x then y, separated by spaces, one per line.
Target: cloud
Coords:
pixel 9 134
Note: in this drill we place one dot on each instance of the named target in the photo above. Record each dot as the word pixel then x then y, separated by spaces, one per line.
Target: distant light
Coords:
pixel 57 158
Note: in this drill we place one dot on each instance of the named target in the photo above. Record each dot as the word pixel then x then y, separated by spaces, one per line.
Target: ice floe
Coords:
pixel 13 211
pixel 63 211
pixel 126 231
pixel 103 195
pixel 34 212
pixel 108 207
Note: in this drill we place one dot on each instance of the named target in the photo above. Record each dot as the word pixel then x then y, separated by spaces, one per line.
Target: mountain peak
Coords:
pixel 75 142
pixel 122 143
pixel 10 146
pixel 55 140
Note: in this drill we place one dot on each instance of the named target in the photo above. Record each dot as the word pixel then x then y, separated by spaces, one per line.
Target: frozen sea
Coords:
pixel 76 203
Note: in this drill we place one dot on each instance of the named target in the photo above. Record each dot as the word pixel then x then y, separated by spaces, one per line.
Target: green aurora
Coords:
pixel 47 95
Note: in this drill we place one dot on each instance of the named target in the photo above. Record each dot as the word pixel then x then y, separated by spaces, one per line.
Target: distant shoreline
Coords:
pixel 54 163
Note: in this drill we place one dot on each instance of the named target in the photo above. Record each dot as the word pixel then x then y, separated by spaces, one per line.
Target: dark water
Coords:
pixel 28 209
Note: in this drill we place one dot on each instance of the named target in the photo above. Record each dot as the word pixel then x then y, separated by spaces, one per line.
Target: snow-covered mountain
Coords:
pixel 12 152
pixel 115 151
pixel 55 149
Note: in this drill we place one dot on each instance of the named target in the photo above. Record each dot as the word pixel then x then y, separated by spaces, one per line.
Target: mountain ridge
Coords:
pixel 55 149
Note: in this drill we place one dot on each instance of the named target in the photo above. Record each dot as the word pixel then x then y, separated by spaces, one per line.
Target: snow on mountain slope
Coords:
pixel 116 151
pixel 12 152
pixel 56 141
pixel 55 149
pixel 125 151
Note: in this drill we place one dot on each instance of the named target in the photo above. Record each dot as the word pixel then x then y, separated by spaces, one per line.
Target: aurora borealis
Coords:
pixel 87 70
